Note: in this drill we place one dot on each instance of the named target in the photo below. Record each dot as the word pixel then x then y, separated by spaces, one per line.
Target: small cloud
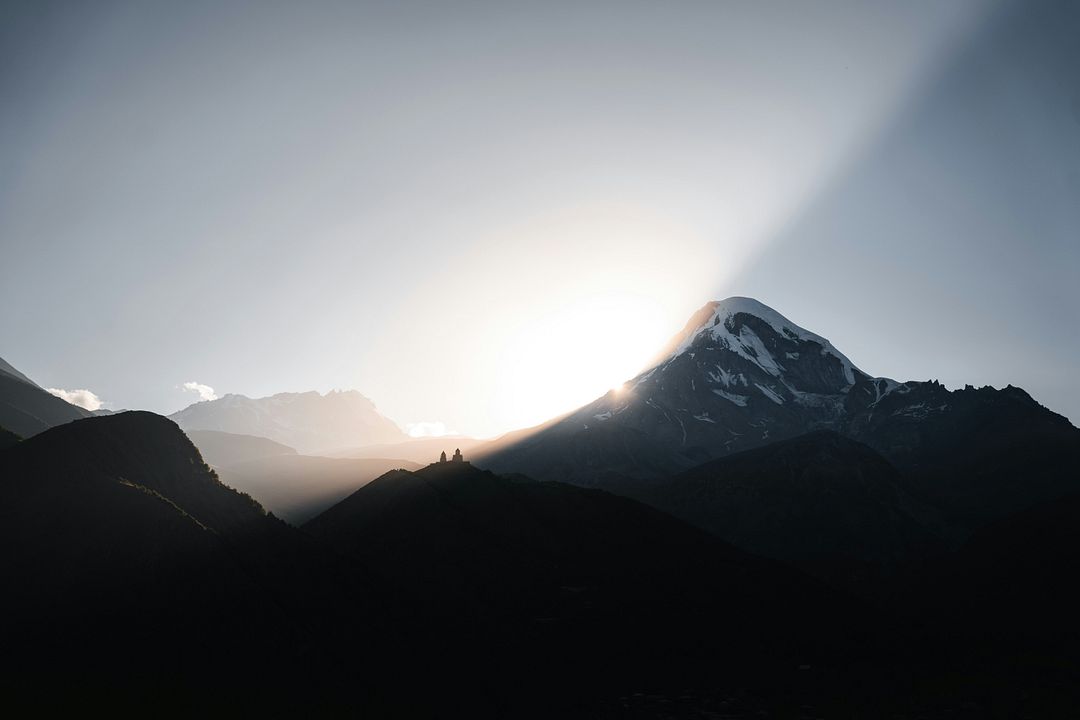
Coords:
pixel 83 398
pixel 205 392
pixel 426 428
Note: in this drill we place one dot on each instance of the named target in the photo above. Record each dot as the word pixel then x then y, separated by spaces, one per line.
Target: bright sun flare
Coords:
pixel 577 353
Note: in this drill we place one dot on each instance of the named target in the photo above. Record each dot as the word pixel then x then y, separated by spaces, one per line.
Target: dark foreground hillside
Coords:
pixel 136 583
pixel 132 574
pixel 582 592
pixel 822 502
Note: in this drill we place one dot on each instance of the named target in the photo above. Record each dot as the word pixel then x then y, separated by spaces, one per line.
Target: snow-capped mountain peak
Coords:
pixel 717 324
pixel 738 375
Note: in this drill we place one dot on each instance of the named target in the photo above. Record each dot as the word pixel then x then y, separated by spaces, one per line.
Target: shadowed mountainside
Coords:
pixel 26 409
pixel 826 504
pixel 140 579
pixel 974 454
pixel 740 376
pixel 135 562
pixel 138 567
pixel 640 597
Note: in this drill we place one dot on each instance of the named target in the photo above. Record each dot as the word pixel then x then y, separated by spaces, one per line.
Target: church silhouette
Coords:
pixel 457 458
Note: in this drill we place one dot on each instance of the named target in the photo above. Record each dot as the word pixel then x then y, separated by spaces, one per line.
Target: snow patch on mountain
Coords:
pixel 770 393
pixel 739 400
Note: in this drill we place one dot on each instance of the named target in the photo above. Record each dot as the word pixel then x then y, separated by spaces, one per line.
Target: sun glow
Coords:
pixel 547 313
pixel 578 352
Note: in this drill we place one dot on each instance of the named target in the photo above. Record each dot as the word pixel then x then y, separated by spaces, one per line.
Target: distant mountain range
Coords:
pixel 308 422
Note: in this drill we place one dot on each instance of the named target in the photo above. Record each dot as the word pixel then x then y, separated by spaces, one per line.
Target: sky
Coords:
pixel 482 215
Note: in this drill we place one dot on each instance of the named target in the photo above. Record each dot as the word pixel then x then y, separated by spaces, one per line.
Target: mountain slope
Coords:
pixel 308 422
pixel 599 589
pixel 6 368
pixel 741 376
pixel 976 454
pixel 738 376
pixel 27 409
pixel 137 569
pixel 122 532
pixel 826 504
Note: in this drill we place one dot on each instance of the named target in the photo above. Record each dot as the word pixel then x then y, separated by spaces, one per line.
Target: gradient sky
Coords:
pixel 484 214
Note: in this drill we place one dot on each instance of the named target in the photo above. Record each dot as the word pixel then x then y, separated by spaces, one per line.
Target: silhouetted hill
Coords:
pixel 222 448
pixel 147 450
pixel 822 502
pixel 545 585
pixel 975 454
pixel 140 578
pixel 296 488
pixel 136 577
pixel 27 409
pixel 136 567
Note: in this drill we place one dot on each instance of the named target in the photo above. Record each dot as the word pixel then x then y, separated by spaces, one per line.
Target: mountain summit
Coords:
pixel 744 349
pixel 735 324
pixel 739 375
